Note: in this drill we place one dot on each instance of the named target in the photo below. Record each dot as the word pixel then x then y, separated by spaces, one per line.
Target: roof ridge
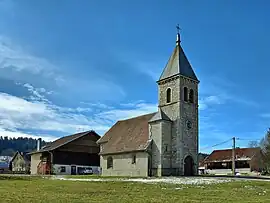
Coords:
pixel 136 117
pixel 216 150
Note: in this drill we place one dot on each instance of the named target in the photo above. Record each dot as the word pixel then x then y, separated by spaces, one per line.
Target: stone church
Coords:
pixel 164 142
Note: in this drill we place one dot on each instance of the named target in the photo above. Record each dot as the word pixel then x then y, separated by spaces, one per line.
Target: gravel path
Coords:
pixel 171 180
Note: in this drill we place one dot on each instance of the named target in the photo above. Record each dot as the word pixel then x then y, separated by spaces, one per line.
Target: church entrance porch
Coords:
pixel 188 166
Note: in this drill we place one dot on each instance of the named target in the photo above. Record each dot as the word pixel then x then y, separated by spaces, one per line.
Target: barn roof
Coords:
pixel 65 140
pixel 226 154
pixel 127 135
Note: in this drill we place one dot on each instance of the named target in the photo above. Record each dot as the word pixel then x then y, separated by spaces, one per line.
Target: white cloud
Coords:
pixel 18 115
pixel 206 102
pixel 20 107
pixel 121 114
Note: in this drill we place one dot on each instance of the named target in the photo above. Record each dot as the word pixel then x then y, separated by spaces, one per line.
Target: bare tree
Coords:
pixel 253 144
pixel 265 146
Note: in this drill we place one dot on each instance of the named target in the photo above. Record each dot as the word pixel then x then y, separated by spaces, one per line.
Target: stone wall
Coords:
pixel 160 133
pixel 189 112
pixel 156 147
pixel 123 166
pixel 184 141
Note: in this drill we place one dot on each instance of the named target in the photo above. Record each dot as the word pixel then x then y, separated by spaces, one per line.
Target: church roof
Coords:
pixel 127 135
pixel 160 115
pixel 178 64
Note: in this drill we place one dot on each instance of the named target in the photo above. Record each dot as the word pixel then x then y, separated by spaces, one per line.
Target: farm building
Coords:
pixel 72 154
pixel 247 160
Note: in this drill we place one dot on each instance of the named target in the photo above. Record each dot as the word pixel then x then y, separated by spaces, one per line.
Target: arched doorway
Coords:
pixel 188 166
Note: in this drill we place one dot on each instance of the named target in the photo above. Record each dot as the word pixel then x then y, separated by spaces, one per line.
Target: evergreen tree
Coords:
pixel 9 146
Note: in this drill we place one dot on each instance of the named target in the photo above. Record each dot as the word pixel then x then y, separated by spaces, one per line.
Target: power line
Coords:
pixel 217 144
pixel 248 139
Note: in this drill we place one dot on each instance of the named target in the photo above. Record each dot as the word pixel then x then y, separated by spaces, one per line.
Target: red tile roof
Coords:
pixel 226 154
pixel 127 135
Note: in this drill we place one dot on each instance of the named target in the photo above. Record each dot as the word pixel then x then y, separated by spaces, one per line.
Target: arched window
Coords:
pixel 109 162
pixel 191 96
pixel 185 94
pixel 169 95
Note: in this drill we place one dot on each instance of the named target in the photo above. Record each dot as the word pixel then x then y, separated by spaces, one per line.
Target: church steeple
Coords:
pixel 178 63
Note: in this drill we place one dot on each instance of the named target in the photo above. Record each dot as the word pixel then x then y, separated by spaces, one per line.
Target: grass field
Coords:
pixel 26 189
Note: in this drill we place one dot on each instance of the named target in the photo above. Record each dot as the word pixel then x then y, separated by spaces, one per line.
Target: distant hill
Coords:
pixel 9 146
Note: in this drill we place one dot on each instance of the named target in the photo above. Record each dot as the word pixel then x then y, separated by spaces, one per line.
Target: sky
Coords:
pixel 68 66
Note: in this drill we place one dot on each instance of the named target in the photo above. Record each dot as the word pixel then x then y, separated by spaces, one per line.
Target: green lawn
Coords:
pixel 34 189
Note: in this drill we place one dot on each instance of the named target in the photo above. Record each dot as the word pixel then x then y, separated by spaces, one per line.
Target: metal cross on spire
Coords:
pixel 178 28
pixel 178 34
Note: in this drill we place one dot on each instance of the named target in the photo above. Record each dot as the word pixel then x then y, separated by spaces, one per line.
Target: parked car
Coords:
pixel 86 171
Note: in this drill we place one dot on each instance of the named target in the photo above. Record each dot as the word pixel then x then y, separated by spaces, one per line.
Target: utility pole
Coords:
pixel 233 156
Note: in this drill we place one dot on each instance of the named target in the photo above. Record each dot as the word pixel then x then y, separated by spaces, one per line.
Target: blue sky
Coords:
pixel 67 66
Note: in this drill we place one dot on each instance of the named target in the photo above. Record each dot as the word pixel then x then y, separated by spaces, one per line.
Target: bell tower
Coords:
pixel 178 101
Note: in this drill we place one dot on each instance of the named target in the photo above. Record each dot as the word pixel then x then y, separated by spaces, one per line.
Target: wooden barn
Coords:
pixel 73 154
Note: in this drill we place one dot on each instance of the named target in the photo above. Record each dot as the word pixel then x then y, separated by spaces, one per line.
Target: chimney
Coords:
pixel 38 144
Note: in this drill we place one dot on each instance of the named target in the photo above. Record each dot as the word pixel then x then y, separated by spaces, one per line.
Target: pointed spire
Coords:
pixel 178 62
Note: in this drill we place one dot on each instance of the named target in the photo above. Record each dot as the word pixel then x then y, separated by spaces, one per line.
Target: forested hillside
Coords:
pixel 9 146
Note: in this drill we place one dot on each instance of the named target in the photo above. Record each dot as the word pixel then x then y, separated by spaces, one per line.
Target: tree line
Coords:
pixel 9 146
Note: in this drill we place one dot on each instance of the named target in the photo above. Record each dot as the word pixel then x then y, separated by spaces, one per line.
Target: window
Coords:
pixel 185 94
pixel 109 162
pixel 134 159
pixel 166 148
pixel 62 169
pixel 169 95
pixel 191 96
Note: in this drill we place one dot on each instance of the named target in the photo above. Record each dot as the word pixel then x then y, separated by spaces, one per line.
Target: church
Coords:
pixel 161 143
